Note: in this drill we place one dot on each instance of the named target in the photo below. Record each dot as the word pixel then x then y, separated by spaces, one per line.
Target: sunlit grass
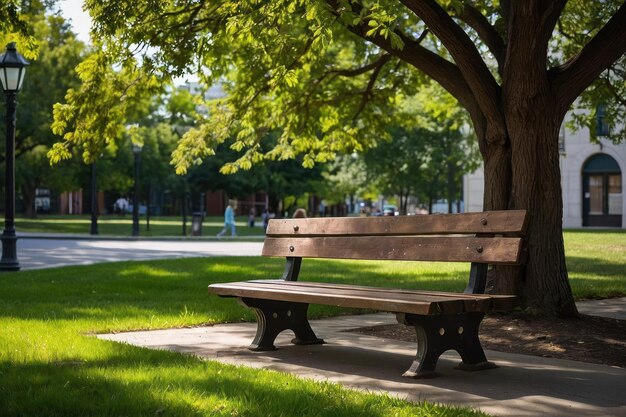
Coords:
pixel 596 262
pixel 52 365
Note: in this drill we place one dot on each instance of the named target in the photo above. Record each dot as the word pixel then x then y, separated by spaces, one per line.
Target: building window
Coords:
pixel 602 127
pixel 562 140
pixel 596 194
pixel 615 194
pixel 602 192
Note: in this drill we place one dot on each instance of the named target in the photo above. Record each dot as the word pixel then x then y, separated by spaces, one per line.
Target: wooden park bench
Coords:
pixel 442 320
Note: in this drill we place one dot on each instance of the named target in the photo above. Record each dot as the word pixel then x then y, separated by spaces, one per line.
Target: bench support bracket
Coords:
pixel 439 333
pixel 275 316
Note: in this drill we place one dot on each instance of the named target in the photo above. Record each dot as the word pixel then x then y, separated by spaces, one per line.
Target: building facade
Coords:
pixel 592 178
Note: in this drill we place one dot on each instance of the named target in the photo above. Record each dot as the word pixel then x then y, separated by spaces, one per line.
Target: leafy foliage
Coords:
pixel 326 74
pixel 15 25
pixel 581 21
pixel 285 86
pixel 46 82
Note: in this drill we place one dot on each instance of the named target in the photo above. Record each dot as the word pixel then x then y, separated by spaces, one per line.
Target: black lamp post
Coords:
pixel 137 151
pixel 12 69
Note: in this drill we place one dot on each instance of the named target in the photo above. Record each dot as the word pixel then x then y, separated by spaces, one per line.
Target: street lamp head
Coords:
pixel 12 69
pixel 137 147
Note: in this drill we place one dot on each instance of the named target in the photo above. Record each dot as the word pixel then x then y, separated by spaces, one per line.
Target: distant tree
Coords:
pixel 15 25
pixel 47 80
pixel 344 178
pixel 398 166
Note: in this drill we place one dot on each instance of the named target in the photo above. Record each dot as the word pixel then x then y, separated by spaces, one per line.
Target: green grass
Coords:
pixel 52 365
pixel 596 261
pixel 113 225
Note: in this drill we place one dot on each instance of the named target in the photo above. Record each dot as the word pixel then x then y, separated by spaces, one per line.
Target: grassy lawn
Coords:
pixel 114 225
pixel 51 365
pixel 596 261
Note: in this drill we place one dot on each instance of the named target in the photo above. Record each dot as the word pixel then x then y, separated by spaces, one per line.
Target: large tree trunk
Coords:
pixel 524 173
pixel 522 162
pixel 536 186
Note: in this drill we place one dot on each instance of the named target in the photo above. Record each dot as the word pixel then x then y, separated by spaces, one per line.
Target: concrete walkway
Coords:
pixel 521 386
pixel 614 308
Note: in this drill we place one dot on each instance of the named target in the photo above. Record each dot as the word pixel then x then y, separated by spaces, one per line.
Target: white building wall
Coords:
pixel 577 150
pixel 473 190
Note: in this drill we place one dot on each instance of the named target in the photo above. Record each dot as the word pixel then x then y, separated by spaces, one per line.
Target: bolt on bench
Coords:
pixel 442 320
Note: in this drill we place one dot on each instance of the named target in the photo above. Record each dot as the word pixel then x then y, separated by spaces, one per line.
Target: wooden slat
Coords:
pixel 472 302
pixel 491 222
pixel 448 305
pixel 357 299
pixel 497 250
pixel 393 300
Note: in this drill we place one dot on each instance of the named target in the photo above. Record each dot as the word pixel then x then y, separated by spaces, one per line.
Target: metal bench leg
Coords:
pixel 275 316
pixel 439 333
pixel 470 349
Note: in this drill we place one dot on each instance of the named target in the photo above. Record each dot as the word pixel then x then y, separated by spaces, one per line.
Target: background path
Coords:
pixel 37 253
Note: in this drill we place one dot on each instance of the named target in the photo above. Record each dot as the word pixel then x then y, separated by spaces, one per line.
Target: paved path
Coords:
pixel 37 253
pixel 522 386
pixel 614 308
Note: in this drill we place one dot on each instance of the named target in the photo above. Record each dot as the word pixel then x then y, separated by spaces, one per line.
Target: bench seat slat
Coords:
pixel 394 300
pixel 493 222
pixel 494 250
pixel 473 302
pixel 447 304
pixel 355 300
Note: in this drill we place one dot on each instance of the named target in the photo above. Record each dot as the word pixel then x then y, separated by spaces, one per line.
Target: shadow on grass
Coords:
pixel 595 266
pixel 142 382
pixel 598 278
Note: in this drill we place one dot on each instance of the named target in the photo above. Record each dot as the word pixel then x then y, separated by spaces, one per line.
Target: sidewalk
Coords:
pixel 87 236
pixel 614 308
pixel 46 252
pixel 521 386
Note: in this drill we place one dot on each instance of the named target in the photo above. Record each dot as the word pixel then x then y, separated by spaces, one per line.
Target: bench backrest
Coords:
pixel 493 237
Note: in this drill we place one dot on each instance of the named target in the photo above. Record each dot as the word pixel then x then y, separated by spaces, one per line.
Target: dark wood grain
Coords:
pixel 383 299
pixel 496 250
pixel 492 222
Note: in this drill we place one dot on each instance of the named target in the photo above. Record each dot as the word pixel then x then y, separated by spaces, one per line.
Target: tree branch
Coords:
pixel 444 72
pixel 505 11
pixel 441 70
pixel 551 16
pixel 367 94
pixel 471 65
pixel 477 21
pixel 562 31
pixel 307 103
pixel 353 72
pixel 614 92
pixel 572 78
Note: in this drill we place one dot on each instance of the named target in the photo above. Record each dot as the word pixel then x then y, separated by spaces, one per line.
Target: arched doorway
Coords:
pixel 602 192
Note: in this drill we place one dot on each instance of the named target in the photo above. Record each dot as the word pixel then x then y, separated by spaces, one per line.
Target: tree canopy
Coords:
pixel 47 80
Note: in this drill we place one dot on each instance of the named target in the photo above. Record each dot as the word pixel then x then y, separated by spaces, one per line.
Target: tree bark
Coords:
pixel 536 186
pixel 28 198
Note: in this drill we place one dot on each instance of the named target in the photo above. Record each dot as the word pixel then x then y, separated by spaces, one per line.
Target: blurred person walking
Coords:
pixel 229 220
